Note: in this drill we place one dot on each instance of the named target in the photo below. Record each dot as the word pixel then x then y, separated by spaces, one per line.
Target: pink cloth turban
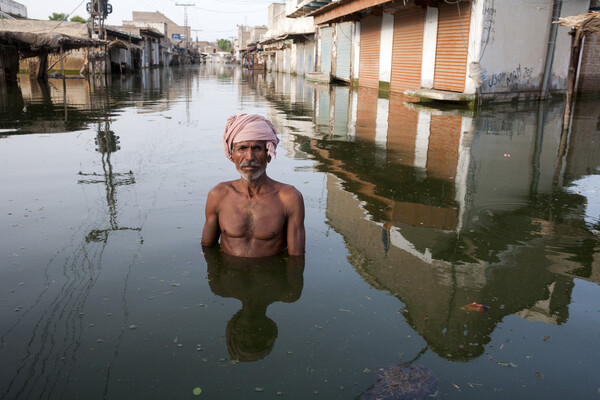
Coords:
pixel 244 127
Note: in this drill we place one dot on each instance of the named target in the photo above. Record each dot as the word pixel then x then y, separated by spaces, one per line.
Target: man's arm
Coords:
pixel 212 230
pixel 296 236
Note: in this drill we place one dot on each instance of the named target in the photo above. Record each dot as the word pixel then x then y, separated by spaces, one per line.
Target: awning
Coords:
pixel 35 43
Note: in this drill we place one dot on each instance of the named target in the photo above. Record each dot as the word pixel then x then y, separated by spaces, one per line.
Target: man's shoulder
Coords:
pixel 288 191
pixel 221 189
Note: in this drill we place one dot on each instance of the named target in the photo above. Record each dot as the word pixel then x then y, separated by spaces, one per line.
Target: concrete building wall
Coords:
pixel 13 8
pixel 257 33
pixel 385 51
pixel 356 51
pixel 512 41
pixel 429 47
pixel 280 25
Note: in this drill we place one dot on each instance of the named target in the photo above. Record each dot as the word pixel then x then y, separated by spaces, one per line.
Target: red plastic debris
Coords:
pixel 477 307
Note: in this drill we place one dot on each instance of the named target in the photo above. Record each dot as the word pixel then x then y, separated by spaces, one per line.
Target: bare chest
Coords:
pixel 255 218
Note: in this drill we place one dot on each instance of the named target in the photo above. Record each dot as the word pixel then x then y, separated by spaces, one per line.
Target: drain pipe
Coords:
pixel 556 7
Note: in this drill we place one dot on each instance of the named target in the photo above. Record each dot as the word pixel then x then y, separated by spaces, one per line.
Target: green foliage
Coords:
pixel 77 18
pixel 58 17
pixel 225 45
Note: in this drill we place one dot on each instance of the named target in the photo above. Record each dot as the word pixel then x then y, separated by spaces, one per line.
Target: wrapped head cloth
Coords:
pixel 244 127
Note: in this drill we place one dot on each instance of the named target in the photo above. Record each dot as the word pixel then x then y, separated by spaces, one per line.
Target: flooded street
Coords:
pixel 413 213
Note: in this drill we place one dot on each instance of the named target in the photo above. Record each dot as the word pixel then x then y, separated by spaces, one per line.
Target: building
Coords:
pixel 10 9
pixel 289 43
pixel 458 51
pixel 178 35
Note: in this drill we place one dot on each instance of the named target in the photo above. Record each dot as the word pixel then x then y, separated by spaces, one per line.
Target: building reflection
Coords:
pixel 257 283
pixel 55 106
pixel 443 208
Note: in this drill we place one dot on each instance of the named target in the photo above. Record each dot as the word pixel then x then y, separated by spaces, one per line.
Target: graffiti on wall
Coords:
pixel 508 79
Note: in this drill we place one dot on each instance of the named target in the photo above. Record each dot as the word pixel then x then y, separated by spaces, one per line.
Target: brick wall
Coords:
pixel 589 70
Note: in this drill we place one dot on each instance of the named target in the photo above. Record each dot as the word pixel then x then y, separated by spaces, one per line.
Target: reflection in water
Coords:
pixel 53 345
pixel 257 283
pixel 443 208
pixel 438 208
pixel 107 143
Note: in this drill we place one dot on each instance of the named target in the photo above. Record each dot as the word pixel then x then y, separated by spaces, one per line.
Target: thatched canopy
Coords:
pixel 586 23
pixel 33 43
pixel 32 37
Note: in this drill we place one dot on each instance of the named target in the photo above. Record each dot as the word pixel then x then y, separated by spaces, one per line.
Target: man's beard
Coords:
pixel 255 175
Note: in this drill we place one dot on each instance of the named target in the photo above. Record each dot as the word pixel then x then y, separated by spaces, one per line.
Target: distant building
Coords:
pixel 12 10
pixel 243 38
pixel 175 33
pixel 289 44
pixel 257 33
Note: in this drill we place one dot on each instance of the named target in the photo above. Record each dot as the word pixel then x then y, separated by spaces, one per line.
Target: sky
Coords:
pixel 215 19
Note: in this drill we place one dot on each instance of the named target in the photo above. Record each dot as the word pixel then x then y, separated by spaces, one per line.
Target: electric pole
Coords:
pixel 185 19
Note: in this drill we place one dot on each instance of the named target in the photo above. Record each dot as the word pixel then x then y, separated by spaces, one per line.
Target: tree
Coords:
pixel 224 45
pixel 77 18
pixel 58 17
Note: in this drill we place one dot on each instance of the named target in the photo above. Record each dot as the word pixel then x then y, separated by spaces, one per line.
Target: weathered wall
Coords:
pixel 513 45
pixel 513 37
pixel 13 8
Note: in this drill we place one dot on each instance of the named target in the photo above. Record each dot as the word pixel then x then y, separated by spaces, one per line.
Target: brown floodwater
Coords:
pixel 413 213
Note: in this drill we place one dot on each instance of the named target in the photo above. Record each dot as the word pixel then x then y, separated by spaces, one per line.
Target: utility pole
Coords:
pixel 99 10
pixel 185 20
pixel 196 30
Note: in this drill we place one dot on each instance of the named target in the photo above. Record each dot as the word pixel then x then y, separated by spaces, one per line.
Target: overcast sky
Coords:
pixel 215 18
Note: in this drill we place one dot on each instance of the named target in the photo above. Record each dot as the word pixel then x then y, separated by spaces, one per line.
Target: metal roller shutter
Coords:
pixel 344 50
pixel 370 38
pixel 326 50
pixel 452 45
pixel 407 50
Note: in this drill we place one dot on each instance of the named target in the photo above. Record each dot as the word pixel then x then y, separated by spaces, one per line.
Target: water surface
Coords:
pixel 413 212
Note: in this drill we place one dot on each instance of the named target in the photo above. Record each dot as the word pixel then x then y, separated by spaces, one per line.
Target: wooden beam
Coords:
pixel 576 41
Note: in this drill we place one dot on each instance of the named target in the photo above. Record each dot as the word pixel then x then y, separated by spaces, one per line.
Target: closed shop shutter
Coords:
pixel 344 50
pixel 326 50
pixel 309 57
pixel 452 45
pixel 300 59
pixel 407 50
pixel 370 38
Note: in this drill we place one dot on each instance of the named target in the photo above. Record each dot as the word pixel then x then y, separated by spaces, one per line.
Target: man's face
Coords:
pixel 250 158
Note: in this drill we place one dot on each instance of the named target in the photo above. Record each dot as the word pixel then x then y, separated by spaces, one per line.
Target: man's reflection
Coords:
pixel 256 282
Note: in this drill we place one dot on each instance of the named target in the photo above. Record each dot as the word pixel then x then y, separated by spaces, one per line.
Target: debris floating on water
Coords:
pixel 477 307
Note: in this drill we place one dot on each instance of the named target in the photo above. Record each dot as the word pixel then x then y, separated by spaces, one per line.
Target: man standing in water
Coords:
pixel 254 216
